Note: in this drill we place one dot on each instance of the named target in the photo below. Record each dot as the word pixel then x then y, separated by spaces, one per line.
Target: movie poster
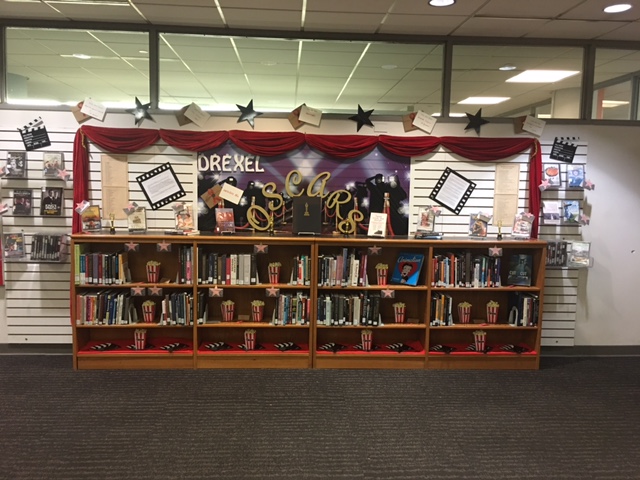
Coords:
pixel 368 178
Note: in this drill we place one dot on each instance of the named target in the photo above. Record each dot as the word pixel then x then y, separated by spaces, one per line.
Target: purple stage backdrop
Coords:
pixel 367 178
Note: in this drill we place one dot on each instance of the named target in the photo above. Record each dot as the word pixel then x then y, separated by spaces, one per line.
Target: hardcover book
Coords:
pixel 225 222
pixel 520 270
pixel 551 173
pixel 16 166
pixel 137 221
pixel 22 201
pixel 13 245
pixel 407 269
pixel 91 219
pixel 306 215
pixel 52 162
pixel 377 225
pixel 51 201
pixel 184 219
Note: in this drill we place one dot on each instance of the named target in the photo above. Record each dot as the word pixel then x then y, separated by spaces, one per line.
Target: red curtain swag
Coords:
pixel 129 140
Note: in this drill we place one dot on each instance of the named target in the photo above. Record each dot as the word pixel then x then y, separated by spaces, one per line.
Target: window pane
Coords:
pixel 477 73
pixel 219 72
pixel 47 66
pixel 614 74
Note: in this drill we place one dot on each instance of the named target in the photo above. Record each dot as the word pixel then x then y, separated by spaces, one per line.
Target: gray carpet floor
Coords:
pixel 576 418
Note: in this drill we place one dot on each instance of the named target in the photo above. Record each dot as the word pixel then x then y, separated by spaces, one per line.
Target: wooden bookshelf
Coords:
pixel 295 331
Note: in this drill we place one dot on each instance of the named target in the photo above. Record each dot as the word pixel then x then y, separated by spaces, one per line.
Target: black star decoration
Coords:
pixel 141 112
pixel 248 113
pixel 362 117
pixel 475 121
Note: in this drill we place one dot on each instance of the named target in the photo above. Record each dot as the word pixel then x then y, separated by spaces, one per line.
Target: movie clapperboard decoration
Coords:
pixel 34 135
pixel 160 186
pixel 564 149
pixel 452 190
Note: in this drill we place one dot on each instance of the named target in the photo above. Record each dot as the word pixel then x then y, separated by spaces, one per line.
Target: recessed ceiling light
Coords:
pixel 542 76
pixel 507 68
pixel 389 67
pixel 483 100
pixel 441 3
pixel 81 56
pixel 142 51
pixel 620 7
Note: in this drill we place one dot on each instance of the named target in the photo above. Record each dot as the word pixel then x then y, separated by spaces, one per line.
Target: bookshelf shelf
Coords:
pixel 315 317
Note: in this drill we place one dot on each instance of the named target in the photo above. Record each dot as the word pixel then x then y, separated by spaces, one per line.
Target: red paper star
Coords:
pixel 138 291
pixel 589 185
pixel 164 247
pixel 544 185
pixel 64 175
pixel 216 292
pixel 260 248
pixel 436 210
pixel 4 208
pixel 584 219
pixel 388 293
pixel 131 247
pixel 375 250
pixel 273 292
pixel 82 206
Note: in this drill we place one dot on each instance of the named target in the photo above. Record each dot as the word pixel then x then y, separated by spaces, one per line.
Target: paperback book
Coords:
pixel 478 225
pixel 52 163
pixel 13 245
pixel 51 201
pixel 520 270
pixel 377 224
pixel 575 176
pixel 91 219
pixel 551 173
pixel 16 166
pixel 522 225
pixel 407 269
pixel 578 254
pixel 225 222
pixel 551 212
pixel 184 219
pixel 22 201
pixel 571 211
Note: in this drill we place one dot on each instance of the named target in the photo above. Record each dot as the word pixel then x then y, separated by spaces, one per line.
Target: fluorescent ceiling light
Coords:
pixel 483 100
pixel 542 76
pixel 441 3
pixel 613 103
pixel 507 68
pixel 620 7
pixel 451 114
pixel 81 56
pixel 109 3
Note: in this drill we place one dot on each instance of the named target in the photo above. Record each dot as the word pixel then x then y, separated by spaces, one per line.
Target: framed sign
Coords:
pixel 452 190
pixel 160 186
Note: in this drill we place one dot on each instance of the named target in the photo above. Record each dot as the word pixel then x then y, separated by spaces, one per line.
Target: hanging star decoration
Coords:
pixel 163 247
pixel 248 113
pixel 436 211
pixel 475 121
pixel 388 293
pixel 138 291
pixel 273 292
pixel 584 219
pixel 131 247
pixel 155 291
pixel 260 248
pixel 589 185
pixel 141 112
pixel 495 251
pixel 63 174
pixel 362 117
pixel 374 250
pixel 216 292
pixel 4 208
pixel 82 206
pixel 129 209
pixel 544 185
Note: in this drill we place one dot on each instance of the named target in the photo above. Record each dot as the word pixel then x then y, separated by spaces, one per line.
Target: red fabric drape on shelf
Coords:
pixel 128 140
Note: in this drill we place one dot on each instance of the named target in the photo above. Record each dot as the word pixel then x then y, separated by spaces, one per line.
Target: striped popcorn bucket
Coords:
pixel 250 339
pixel 399 312
pixel 148 312
pixel 381 276
pixel 153 273
pixel 367 340
pixel 480 339
pixel 492 314
pixel 464 313
pixel 274 274
pixel 140 338
pixel 227 312
pixel 257 312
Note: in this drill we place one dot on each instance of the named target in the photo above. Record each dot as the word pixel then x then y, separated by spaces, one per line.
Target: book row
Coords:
pixel 358 309
pixel 574 254
pixel 44 247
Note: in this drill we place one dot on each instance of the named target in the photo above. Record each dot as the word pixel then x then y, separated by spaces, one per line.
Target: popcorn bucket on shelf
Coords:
pixel 480 339
pixel 399 312
pixel 492 312
pixel 148 311
pixel 367 340
pixel 250 339
pixel 140 338
pixel 228 309
pixel 381 275
pixel 257 310
pixel 153 272
pixel 274 272
pixel 464 312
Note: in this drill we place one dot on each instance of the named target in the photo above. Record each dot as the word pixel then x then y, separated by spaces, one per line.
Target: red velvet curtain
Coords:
pixel 128 140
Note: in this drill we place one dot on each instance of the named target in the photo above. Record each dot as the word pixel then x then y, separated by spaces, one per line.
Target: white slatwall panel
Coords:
pixel 37 294
pixel 561 285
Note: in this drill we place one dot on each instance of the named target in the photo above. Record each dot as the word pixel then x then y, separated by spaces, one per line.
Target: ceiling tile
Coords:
pixel 421 24
pixel 182 3
pixel 174 15
pixel 346 22
pixel 29 10
pixel 534 9
pixel 594 10
pixel 629 32
pixel 422 7
pixel 259 4
pixel 105 13
pixel 358 6
pixel 498 27
pixel 263 18
pixel 572 29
